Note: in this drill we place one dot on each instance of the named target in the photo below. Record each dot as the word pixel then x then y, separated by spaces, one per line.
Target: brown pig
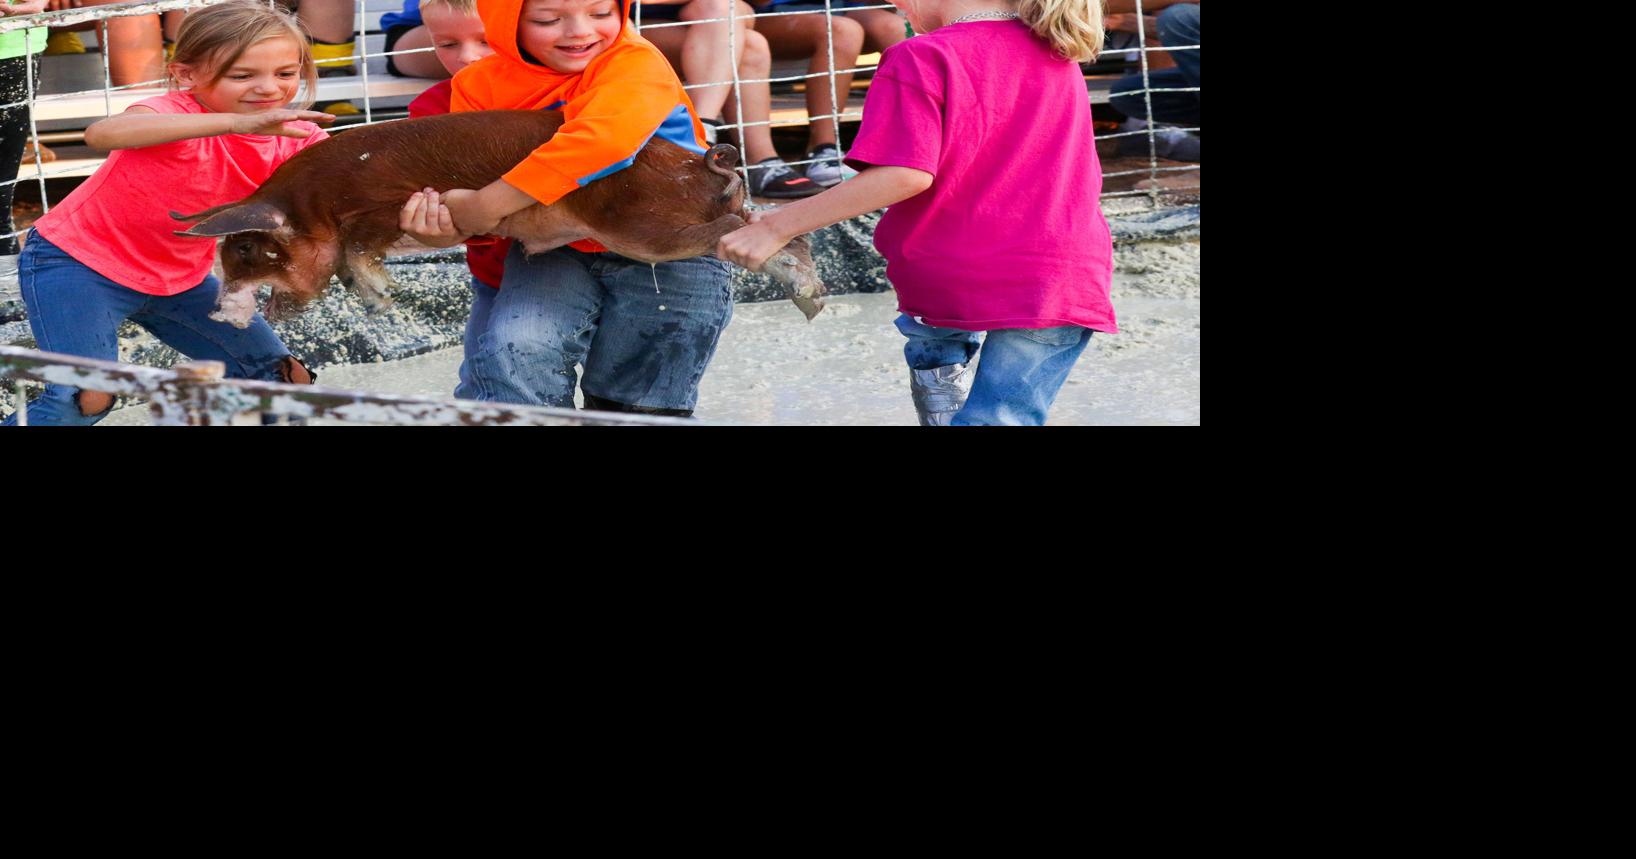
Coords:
pixel 333 208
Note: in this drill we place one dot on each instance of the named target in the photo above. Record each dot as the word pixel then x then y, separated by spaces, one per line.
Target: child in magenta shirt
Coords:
pixel 978 136
pixel 108 252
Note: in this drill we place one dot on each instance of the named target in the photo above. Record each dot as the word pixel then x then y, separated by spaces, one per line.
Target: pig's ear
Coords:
pixel 250 217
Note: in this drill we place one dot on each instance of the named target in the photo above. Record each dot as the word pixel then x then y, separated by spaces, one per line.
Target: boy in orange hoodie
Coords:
pixel 644 335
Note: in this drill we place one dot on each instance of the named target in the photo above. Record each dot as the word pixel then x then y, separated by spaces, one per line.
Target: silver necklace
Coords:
pixel 979 16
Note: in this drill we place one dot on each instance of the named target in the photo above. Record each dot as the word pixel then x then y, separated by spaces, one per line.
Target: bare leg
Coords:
pixel 425 65
pixel 330 21
pixel 756 64
pixel 705 58
pixel 135 53
pixel 802 36
pixel 882 28
pixel 173 23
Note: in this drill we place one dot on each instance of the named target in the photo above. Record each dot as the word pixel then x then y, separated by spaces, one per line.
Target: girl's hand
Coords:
pixel 22 7
pixel 752 245
pixel 272 122
pixel 427 220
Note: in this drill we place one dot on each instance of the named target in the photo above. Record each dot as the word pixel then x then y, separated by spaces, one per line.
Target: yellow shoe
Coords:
pixel 333 60
pixel 339 108
pixel 63 42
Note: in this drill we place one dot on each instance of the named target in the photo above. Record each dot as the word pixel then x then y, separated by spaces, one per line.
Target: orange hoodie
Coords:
pixel 626 95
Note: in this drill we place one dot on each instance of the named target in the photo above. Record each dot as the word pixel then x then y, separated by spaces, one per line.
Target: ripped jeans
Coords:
pixel 640 346
pixel 75 311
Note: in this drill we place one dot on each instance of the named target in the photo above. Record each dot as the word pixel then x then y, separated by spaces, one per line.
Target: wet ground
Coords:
pixel 846 366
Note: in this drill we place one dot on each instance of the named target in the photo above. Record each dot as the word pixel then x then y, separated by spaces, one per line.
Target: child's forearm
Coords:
pixel 874 188
pixel 131 130
pixel 477 212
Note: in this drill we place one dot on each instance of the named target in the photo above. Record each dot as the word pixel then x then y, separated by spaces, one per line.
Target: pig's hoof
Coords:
pixel 809 306
pixel 800 282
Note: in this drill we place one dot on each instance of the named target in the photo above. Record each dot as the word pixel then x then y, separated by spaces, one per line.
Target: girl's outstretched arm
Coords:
pixel 141 126
pixel 769 232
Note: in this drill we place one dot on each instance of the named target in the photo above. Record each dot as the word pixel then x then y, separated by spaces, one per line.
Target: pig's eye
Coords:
pixel 247 250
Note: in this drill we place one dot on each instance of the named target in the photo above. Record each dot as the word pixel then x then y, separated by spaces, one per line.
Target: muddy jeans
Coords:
pixel 644 335
pixel 1019 372
pixel 75 311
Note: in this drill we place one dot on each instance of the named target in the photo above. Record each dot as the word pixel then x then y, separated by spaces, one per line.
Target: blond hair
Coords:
pixel 216 36
pixel 464 7
pixel 1072 27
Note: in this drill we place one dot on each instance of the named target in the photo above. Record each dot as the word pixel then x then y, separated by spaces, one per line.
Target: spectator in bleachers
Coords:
pixel 406 31
pixel 804 36
pixel 133 49
pixel 17 49
pixel 699 54
pixel 1176 24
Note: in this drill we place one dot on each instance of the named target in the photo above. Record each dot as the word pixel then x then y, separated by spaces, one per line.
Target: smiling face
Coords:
pixel 457 37
pixel 265 77
pixel 566 35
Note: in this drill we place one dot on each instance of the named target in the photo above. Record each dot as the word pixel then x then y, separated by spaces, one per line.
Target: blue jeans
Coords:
pixel 1020 373
pixel 75 311
pixel 640 346
pixel 1178 25
pixel 482 304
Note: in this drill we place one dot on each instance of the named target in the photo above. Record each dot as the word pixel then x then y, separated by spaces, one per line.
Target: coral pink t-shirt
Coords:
pixel 118 222
pixel 1010 233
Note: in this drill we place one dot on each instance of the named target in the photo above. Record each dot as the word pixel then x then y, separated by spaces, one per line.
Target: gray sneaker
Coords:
pixel 825 169
pixel 1169 141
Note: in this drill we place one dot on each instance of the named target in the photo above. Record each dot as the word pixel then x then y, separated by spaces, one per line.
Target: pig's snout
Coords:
pixel 235 305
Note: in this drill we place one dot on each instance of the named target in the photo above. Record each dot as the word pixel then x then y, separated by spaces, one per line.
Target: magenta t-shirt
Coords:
pixel 1010 233
pixel 118 223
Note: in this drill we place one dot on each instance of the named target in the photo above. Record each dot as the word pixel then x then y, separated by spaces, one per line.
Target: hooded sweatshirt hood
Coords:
pixel 624 96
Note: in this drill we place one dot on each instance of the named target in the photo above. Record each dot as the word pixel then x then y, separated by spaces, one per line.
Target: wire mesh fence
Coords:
pixel 59 113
